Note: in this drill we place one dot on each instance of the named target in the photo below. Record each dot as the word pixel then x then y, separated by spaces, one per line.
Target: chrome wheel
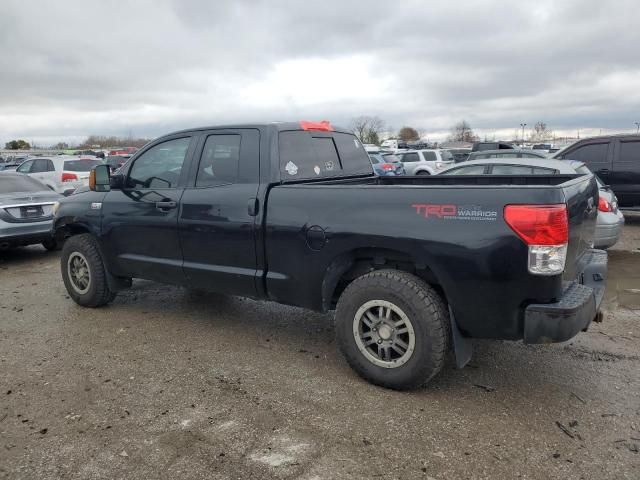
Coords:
pixel 79 272
pixel 384 334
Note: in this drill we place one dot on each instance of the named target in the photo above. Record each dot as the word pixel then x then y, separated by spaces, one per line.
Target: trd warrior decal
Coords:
pixel 454 212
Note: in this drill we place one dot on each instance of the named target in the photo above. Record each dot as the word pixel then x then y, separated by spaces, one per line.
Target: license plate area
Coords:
pixel 31 211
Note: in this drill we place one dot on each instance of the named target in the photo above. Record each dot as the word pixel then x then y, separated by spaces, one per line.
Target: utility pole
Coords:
pixel 523 125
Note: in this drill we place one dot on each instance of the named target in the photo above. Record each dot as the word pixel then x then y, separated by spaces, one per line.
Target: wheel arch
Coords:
pixel 357 262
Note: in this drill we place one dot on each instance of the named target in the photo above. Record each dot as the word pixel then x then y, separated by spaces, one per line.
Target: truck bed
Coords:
pixel 474 257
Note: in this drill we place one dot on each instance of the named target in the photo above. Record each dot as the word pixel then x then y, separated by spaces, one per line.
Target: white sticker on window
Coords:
pixel 316 169
pixel 291 168
pixel 355 140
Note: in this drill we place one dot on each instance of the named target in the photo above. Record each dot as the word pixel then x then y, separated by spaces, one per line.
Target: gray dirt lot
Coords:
pixel 165 384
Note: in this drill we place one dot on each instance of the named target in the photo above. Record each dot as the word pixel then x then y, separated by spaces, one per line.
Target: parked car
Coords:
pixel 26 212
pixel 393 144
pixel 283 212
pixel 459 154
pixel 8 166
pixel 615 159
pixel 479 146
pixel 116 161
pixel 62 174
pixel 386 163
pixel 480 155
pixel 610 219
pixel 425 162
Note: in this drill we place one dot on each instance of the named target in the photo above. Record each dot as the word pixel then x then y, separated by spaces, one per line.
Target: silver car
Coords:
pixel 26 211
pixel 610 218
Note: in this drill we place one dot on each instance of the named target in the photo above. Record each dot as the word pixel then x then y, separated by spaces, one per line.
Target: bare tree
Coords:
pixel 368 129
pixel 408 134
pixel 540 133
pixel 462 132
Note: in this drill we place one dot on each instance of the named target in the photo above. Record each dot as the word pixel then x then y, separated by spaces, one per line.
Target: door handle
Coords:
pixel 604 171
pixel 253 207
pixel 166 205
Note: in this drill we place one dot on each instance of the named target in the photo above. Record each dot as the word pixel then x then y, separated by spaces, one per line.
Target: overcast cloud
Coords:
pixel 74 68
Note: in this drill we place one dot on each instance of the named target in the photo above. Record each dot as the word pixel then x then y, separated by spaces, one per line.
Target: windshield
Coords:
pixel 82 165
pixel 19 183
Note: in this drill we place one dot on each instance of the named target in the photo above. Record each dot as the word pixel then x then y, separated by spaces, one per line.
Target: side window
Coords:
pixel 511 170
pixel 25 167
pixel 315 154
pixel 39 165
pixel 352 154
pixel 589 154
pixel 470 170
pixel 629 152
pixel 50 166
pixel 374 160
pixel 160 166
pixel 429 156
pixel 544 171
pixel 410 157
pixel 220 161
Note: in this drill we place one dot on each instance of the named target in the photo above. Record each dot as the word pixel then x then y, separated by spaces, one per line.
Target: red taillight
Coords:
pixel 604 206
pixel 539 224
pixel 69 177
pixel 323 126
pixel 387 166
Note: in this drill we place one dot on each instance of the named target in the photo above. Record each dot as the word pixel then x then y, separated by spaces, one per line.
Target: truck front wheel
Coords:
pixel 83 272
pixel 393 329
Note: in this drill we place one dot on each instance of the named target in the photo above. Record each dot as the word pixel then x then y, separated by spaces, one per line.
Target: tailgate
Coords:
pixel 582 205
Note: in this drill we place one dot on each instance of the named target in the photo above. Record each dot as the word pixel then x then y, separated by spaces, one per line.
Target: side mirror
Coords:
pixel 99 179
pixel 117 181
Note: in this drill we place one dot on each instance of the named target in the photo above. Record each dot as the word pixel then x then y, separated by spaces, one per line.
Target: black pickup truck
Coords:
pixel 292 212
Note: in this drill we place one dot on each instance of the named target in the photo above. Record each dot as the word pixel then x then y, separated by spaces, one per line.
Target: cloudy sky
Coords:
pixel 74 68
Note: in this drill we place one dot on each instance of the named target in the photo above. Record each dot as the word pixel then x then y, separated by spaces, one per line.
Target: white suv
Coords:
pixel 425 162
pixel 62 174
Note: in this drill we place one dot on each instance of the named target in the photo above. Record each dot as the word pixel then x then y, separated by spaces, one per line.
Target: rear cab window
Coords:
pixel 316 154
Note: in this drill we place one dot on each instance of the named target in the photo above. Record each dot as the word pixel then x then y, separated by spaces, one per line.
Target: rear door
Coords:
pixel 218 212
pixel 43 170
pixel 140 221
pixel 625 177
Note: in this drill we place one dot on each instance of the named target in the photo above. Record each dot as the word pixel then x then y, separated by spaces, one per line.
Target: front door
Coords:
pixel 218 214
pixel 140 221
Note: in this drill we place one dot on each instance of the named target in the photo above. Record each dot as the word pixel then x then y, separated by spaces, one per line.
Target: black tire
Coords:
pixel 51 245
pixel 97 292
pixel 423 172
pixel 426 312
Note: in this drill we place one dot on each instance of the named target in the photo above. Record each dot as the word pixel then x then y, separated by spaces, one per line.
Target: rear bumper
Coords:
pixel 578 307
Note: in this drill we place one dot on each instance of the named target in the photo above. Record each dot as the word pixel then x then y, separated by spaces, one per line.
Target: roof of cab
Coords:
pixel 279 126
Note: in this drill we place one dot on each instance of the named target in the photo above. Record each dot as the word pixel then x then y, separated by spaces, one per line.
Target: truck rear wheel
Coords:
pixel 83 272
pixel 393 329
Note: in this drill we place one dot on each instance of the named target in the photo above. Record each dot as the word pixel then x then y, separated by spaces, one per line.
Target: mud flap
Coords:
pixel 462 348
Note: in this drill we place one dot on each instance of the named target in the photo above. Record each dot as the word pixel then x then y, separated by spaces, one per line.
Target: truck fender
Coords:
pixel 334 272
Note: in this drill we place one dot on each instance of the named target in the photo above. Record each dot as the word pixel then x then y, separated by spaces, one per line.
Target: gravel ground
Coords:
pixel 165 384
